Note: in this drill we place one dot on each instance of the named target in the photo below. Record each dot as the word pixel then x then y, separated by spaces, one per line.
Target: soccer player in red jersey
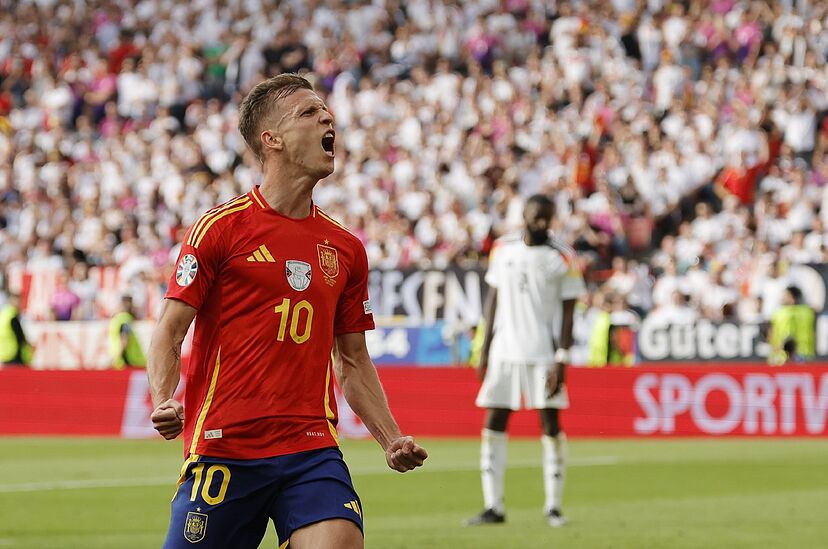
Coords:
pixel 279 295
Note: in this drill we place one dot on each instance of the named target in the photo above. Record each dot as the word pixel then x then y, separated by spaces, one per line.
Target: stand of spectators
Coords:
pixel 689 135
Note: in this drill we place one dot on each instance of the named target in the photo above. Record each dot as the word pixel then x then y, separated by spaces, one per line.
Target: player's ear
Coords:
pixel 272 141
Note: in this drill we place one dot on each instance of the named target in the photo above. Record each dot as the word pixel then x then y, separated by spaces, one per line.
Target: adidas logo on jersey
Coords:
pixel 262 255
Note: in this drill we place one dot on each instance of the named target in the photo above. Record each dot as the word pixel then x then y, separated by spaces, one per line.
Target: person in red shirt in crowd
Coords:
pixel 740 181
pixel 585 157
pixel 279 295
pixel 125 49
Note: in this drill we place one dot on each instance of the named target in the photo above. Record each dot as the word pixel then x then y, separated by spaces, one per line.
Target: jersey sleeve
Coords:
pixel 572 283
pixel 353 311
pixel 196 268
pixel 492 277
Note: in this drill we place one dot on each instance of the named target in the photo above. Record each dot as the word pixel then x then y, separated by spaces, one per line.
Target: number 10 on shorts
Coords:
pixel 198 472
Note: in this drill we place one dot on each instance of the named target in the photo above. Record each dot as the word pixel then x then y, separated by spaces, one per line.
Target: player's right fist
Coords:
pixel 404 454
pixel 168 419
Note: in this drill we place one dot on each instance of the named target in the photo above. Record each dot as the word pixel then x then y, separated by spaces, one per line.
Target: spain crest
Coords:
pixel 328 260
pixel 196 527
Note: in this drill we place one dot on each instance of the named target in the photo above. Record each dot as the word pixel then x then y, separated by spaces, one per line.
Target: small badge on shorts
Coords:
pixel 353 505
pixel 196 527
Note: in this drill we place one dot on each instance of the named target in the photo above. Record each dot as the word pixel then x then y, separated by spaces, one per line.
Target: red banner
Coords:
pixel 677 400
pixel 668 400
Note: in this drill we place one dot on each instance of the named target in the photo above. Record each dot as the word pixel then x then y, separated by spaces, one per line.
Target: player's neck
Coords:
pixel 531 240
pixel 289 196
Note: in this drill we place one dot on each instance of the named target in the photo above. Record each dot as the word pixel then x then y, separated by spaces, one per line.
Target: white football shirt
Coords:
pixel 532 283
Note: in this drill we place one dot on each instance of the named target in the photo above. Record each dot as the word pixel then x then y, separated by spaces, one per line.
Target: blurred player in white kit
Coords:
pixel 533 284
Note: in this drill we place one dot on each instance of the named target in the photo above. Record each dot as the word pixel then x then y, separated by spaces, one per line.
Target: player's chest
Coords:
pixel 284 264
pixel 525 269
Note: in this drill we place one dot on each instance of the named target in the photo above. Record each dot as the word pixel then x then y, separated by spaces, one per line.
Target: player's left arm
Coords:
pixel 571 287
pixel 361 386
pixel 556 379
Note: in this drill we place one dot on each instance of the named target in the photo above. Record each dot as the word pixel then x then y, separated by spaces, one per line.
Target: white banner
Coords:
pixel 76 345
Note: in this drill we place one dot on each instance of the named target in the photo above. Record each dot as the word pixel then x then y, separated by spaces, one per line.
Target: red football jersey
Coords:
pixel 271 293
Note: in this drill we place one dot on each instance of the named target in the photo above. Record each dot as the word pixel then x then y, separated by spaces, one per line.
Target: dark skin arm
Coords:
pixel 556 378
pixel 488 316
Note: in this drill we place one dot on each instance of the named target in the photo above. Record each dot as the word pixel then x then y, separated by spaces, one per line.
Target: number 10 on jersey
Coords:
pixel 284 310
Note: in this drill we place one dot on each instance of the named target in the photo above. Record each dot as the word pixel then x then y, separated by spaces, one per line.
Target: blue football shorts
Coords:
pixel 222 503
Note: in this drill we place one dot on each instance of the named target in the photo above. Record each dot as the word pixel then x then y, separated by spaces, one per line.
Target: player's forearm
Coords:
pixel 363 391
pixel 488 316
pixel 164 365
pixel 164 358
pixel 567 323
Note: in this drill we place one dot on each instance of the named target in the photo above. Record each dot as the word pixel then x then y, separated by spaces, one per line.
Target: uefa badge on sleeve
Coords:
pixel 186 271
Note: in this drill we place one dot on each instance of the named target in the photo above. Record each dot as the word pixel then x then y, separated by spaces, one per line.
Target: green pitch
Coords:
pixel 104 493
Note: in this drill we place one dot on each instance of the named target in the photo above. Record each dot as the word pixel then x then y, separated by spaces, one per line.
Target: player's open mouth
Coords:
pixel 328 143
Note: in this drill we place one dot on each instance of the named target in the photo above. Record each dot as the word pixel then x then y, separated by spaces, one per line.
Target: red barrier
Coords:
pixel 56 402
pixel 669 400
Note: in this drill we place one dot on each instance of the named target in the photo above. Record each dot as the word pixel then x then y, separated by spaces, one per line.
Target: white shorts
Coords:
pixel 508 383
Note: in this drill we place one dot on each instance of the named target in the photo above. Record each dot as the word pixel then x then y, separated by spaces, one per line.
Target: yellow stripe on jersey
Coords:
pixel 208 400
pixel 225 213
pixel 329 415
pixel 199 225
pixel 266 253
pixel 284 545
pixel 334 221
pixel 257 199
pixel 259 257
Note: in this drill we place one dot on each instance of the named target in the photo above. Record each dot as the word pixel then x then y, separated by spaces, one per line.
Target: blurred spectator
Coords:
pixel 792 330
pixel 64 301
pixel 15 349
pixel 676 311
pixel 124 346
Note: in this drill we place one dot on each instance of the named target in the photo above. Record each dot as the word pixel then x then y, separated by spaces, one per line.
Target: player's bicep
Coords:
pixel 176 317
pixel 569 309
pixel 490 306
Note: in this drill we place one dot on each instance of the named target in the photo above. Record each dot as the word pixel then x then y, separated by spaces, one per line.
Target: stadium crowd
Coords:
pixel 684 143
